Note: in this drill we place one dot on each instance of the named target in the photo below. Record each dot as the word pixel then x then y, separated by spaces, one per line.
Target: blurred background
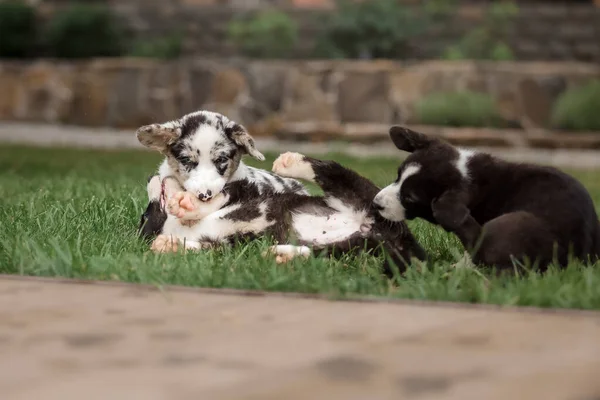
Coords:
pixel 490 73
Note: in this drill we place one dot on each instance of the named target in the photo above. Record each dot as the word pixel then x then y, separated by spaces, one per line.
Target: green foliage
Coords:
pixel 369 29
pixel 579 108
pixel 166 48
pixel 85 30
pixel 458 109
pixel 268 34
pixel 488 41
pixel 439 9
pixel 17 29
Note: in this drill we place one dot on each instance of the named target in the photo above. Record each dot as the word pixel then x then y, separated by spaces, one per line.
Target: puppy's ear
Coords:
pixel 158 136
pixel 242 138
pixel 408 140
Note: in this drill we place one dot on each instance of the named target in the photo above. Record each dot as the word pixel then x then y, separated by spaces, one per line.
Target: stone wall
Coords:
pixel 544 31
pixel 267 95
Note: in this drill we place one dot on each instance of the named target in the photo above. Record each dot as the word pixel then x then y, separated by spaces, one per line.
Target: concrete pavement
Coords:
pixel 68 340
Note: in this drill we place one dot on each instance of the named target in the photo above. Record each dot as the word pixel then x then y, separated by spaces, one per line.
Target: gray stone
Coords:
pixel 125 108
pixel 306 101
pixel 199 87
pixel 164 97
pixel 267 86
pixel 363 97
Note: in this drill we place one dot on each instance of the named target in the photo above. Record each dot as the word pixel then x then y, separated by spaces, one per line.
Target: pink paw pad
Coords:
pixel 186 203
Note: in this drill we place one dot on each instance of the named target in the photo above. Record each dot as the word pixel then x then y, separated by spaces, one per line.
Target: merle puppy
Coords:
pixel 500 210
pixel 205 195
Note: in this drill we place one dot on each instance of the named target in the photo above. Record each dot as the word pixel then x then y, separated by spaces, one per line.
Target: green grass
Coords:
pixel 73 213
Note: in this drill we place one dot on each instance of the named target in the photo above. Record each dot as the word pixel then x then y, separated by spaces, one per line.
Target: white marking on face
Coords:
pixel 327 229
pixel 205 177
pixel 388 197
pixel 463 160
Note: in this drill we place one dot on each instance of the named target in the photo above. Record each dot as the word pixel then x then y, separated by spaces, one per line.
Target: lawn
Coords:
pixel 74 213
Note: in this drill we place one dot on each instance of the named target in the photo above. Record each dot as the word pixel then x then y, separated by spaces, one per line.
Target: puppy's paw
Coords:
pixel 450 215
pixel 165 244
pixel 287 252
pixel 181 204
pixel 293 165
pixel 154 187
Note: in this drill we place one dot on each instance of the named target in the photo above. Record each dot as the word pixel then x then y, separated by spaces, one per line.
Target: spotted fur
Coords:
pixel 258 203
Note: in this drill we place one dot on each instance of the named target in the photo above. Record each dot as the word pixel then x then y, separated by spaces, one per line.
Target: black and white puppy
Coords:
pixel 501 211
pixel 195 207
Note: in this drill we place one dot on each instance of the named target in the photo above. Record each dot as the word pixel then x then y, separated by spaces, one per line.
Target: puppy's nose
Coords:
pixel 376 206
pixel 205 196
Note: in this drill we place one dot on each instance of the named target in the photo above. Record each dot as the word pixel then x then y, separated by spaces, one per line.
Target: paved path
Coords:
pixel 68 340
pixel 54 135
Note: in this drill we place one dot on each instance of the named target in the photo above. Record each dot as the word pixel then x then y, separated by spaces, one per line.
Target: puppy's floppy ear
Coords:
pixel 408 140
pixel 158 136
pixel 242 138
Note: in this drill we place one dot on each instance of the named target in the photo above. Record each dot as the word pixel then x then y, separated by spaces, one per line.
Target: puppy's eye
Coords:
pixel 221 160
pixel 411 198
pixel 187 162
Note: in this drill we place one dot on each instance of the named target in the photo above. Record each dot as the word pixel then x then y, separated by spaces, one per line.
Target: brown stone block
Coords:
pixel 197 88
pixel 363 97
pixel 313 3
pixel 45 92
pixel 267 85
pixel 91 97
pixel 305 99
pixel 228 84
pixel 536 98
pixel 228 94
pixel 9 82
pixel 406 87
pixel 164 93
pixel 126 97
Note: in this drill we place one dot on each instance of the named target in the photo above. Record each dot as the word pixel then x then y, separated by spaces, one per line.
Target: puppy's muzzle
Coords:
pixel 376 206
pixel 205 196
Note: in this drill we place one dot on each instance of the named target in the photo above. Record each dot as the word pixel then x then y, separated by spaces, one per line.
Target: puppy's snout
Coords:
pixel 376 206
pixel 205 196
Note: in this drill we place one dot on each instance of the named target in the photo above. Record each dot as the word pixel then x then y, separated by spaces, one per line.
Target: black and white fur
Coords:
pixel 500 210
pixel 210 205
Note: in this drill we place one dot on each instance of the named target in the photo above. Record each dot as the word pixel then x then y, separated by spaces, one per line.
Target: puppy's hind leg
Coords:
pixel 294 165
pixel 518 236
pixel 335 180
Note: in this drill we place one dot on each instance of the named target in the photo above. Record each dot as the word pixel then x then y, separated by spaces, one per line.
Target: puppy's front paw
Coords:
pixel 450 215
pixel 182 204
pixel 287 252
pixel 165 244
pixel 293 165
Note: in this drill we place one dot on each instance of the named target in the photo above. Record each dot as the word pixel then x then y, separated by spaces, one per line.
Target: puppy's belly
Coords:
pixel 323 230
